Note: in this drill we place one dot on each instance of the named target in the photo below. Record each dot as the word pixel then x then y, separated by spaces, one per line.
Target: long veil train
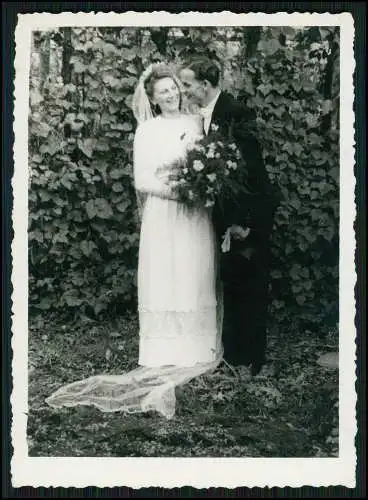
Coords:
pixel 140 390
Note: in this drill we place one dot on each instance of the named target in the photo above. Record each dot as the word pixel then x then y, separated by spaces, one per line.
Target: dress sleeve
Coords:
pixel 145 166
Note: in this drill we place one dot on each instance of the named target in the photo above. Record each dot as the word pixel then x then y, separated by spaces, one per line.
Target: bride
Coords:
pixel 179 299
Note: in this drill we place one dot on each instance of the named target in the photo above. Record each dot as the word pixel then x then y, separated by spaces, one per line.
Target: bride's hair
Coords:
pixel 142 105
pixel 159 71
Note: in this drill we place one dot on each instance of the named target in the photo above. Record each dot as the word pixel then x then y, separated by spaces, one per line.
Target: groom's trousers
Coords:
pixel 245 282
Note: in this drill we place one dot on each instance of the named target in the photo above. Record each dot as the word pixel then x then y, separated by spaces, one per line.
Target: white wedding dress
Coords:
pixel 179 295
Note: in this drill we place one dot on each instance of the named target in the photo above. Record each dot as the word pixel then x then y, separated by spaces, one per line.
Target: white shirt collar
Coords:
pixel 208 110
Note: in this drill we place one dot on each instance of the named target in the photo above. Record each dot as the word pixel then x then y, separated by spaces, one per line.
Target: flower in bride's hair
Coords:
pixel 198 165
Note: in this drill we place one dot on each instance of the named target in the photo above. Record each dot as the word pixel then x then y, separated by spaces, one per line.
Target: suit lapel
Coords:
pixel 218 109
pixel 222 113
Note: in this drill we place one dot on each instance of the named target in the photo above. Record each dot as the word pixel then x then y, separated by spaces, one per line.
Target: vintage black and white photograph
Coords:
pixel 184 261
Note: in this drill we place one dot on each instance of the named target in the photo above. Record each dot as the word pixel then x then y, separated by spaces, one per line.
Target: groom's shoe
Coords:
pixel 238 360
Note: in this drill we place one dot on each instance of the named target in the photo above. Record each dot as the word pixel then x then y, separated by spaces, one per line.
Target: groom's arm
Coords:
pixel 259 208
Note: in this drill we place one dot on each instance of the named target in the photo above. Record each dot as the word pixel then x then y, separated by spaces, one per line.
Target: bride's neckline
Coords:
pixel 173 117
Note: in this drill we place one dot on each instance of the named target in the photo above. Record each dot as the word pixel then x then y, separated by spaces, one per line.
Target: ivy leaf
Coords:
pixel 327 107
pixel 295 203
pixel 116 173
pixel 126 126
pixel 131 69
pixel 87 247
pixel 35 97
pixel 108 48
pixel 65 181
pixel 329 360
pixel 86 146
pixel 269 47
pixel 42 129
pixel 44 304
pixel 276 274
pixel 334 172
pixel 91 209
pixel 36 158
pixel 297 85
pixel 264 88
pixel 102 208
pixel 128 101
pixel 52 147
pixel 117 187
pixel 300 299
pixel 79 67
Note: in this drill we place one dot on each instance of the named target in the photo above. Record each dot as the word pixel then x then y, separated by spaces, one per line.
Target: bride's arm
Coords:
pixel 145 169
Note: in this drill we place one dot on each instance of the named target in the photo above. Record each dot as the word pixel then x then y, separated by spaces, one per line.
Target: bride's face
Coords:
pixel 166 95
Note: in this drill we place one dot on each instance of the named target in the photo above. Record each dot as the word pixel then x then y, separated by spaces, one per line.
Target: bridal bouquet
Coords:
pixel 212 171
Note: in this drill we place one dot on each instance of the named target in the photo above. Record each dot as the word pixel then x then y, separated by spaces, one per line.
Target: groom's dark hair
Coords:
pixel 205 69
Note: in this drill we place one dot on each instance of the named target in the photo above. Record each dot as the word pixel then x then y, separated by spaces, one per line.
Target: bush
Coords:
pixel 83 225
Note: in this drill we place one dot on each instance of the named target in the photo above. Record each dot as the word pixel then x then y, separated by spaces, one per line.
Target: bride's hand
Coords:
pixel 162 172
pixel 240 233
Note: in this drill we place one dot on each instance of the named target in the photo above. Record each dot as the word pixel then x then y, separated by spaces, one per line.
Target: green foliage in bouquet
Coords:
pixel 213 171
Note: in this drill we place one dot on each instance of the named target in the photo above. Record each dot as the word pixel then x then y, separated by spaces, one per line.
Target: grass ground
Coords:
pixel 289 410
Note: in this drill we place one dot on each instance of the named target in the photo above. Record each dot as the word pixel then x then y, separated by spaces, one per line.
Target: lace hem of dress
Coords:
pixel 176 324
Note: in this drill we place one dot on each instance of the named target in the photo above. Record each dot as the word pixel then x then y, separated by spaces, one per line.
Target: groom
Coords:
pixel 247 221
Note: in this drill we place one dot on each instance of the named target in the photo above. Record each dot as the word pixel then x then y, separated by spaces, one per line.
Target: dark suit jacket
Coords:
pixel 255 209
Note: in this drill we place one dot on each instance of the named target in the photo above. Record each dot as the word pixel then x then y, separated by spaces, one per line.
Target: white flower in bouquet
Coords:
pixel 198 165
pixel 210 154
pixel 211 177
pixel 232 164
pixel 217 155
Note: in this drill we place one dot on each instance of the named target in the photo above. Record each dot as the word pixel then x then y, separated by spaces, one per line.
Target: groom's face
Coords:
pixel 194 90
